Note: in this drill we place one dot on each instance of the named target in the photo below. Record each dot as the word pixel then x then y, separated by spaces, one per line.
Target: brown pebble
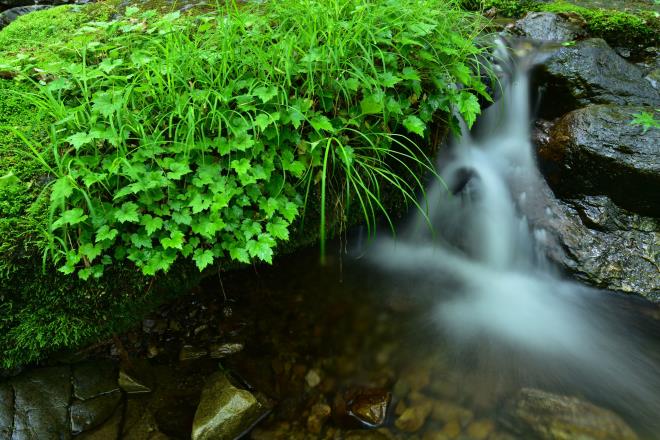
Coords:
pixel 452 429
pixel 480 429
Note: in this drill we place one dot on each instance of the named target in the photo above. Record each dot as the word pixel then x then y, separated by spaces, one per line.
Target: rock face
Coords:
pixel 607 246
pixel 546 26
pixel 590 72
pixel 545 416
pixel 224 411
pixel 58 402
pixel 12 14
pixel 596 150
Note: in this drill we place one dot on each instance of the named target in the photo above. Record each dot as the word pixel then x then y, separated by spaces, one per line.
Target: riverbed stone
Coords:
pixel 534 413
pixel 591 72
pixel 224 411
pixel 91 413
pixel 414 417
pixel 548 26
pixel 109 430
pixel 6 410
pixel 93 378
pixel 362 407
pixel 597 151
pixel 133 382
pixel 41 399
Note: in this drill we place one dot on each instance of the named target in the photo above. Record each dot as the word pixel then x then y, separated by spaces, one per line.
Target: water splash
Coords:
pixel 504 292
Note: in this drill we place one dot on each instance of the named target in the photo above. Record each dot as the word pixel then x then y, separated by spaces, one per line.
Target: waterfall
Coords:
pixel 485 263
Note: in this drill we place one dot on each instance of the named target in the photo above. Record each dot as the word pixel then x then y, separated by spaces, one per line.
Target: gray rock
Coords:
pixel 590 72
pixel 91 379
pixel 132 383
pixel 41 404
pixel 224 411
pixel 110 430
pixel 541 415
pixel 12 14
pixel 597 151
pixel 547 26
pixel 89 414
pixel 607 246
pixel 6 410
pixel 192 353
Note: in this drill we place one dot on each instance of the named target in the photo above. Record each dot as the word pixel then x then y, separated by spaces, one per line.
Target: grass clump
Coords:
pixel 159 143
pixel 180 138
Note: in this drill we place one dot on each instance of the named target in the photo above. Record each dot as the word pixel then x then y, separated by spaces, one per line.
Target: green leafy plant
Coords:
pixel 646 120
pixel 205 137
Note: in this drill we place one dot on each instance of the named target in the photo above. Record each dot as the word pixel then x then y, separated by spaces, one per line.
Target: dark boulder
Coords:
pixel 541 415
pixel 547 26
pixel 606 246
pixel 12 14
pixel 597 151
pixel 591 72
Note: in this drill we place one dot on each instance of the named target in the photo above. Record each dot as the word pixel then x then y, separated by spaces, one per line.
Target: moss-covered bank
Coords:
pixel 620 23
pixel 63 205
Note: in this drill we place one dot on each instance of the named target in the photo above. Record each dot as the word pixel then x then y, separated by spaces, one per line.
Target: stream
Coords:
pixel 462 330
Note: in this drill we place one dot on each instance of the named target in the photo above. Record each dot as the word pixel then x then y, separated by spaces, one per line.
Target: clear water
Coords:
pixel 505 297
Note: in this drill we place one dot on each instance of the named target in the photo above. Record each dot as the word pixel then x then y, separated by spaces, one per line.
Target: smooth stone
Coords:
pixel 312 378
pixel 9 15
pixel 545 416
pixel 362 407
pixel 597 151
pixel 131 383
pixel 445 411
pixel 591 72
pixel 219 351
pixel 91 413
pixel 192 353
pixel 548 26
pixel 414 417
pixel 6 410
pixel 91 379
pixel 319 414
pixel 41 400
pixel 480 429
pixel 109 430
pixel 224 411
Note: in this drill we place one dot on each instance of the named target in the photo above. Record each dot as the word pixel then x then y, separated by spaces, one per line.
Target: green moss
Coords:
pixel 627 27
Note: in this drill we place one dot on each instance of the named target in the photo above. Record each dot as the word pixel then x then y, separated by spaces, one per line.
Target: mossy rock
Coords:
pixel 620 23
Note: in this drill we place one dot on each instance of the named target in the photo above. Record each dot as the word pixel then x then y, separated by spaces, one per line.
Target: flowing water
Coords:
pixel 458 318
pixel 509 308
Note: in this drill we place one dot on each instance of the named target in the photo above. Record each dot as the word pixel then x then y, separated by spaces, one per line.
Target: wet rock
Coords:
pixel 192 353
pixel 480 429
pixel 224 411
pixel 319 414
pixel 366 435
pixel 91 379
pixel 597 151
pixel 538 414
pixel 362 407
pixel 6 17
pixel 547 26
pixel 600 243
pixel 89 414
pixel 41 398
pixel 312 378
pixel 110 430
pixel 414 417
pixel 6 410
pixel 132 382
pixel 176 418
pixel 452 429
pixel 445 411
pixel 590 72
pixel 219 351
